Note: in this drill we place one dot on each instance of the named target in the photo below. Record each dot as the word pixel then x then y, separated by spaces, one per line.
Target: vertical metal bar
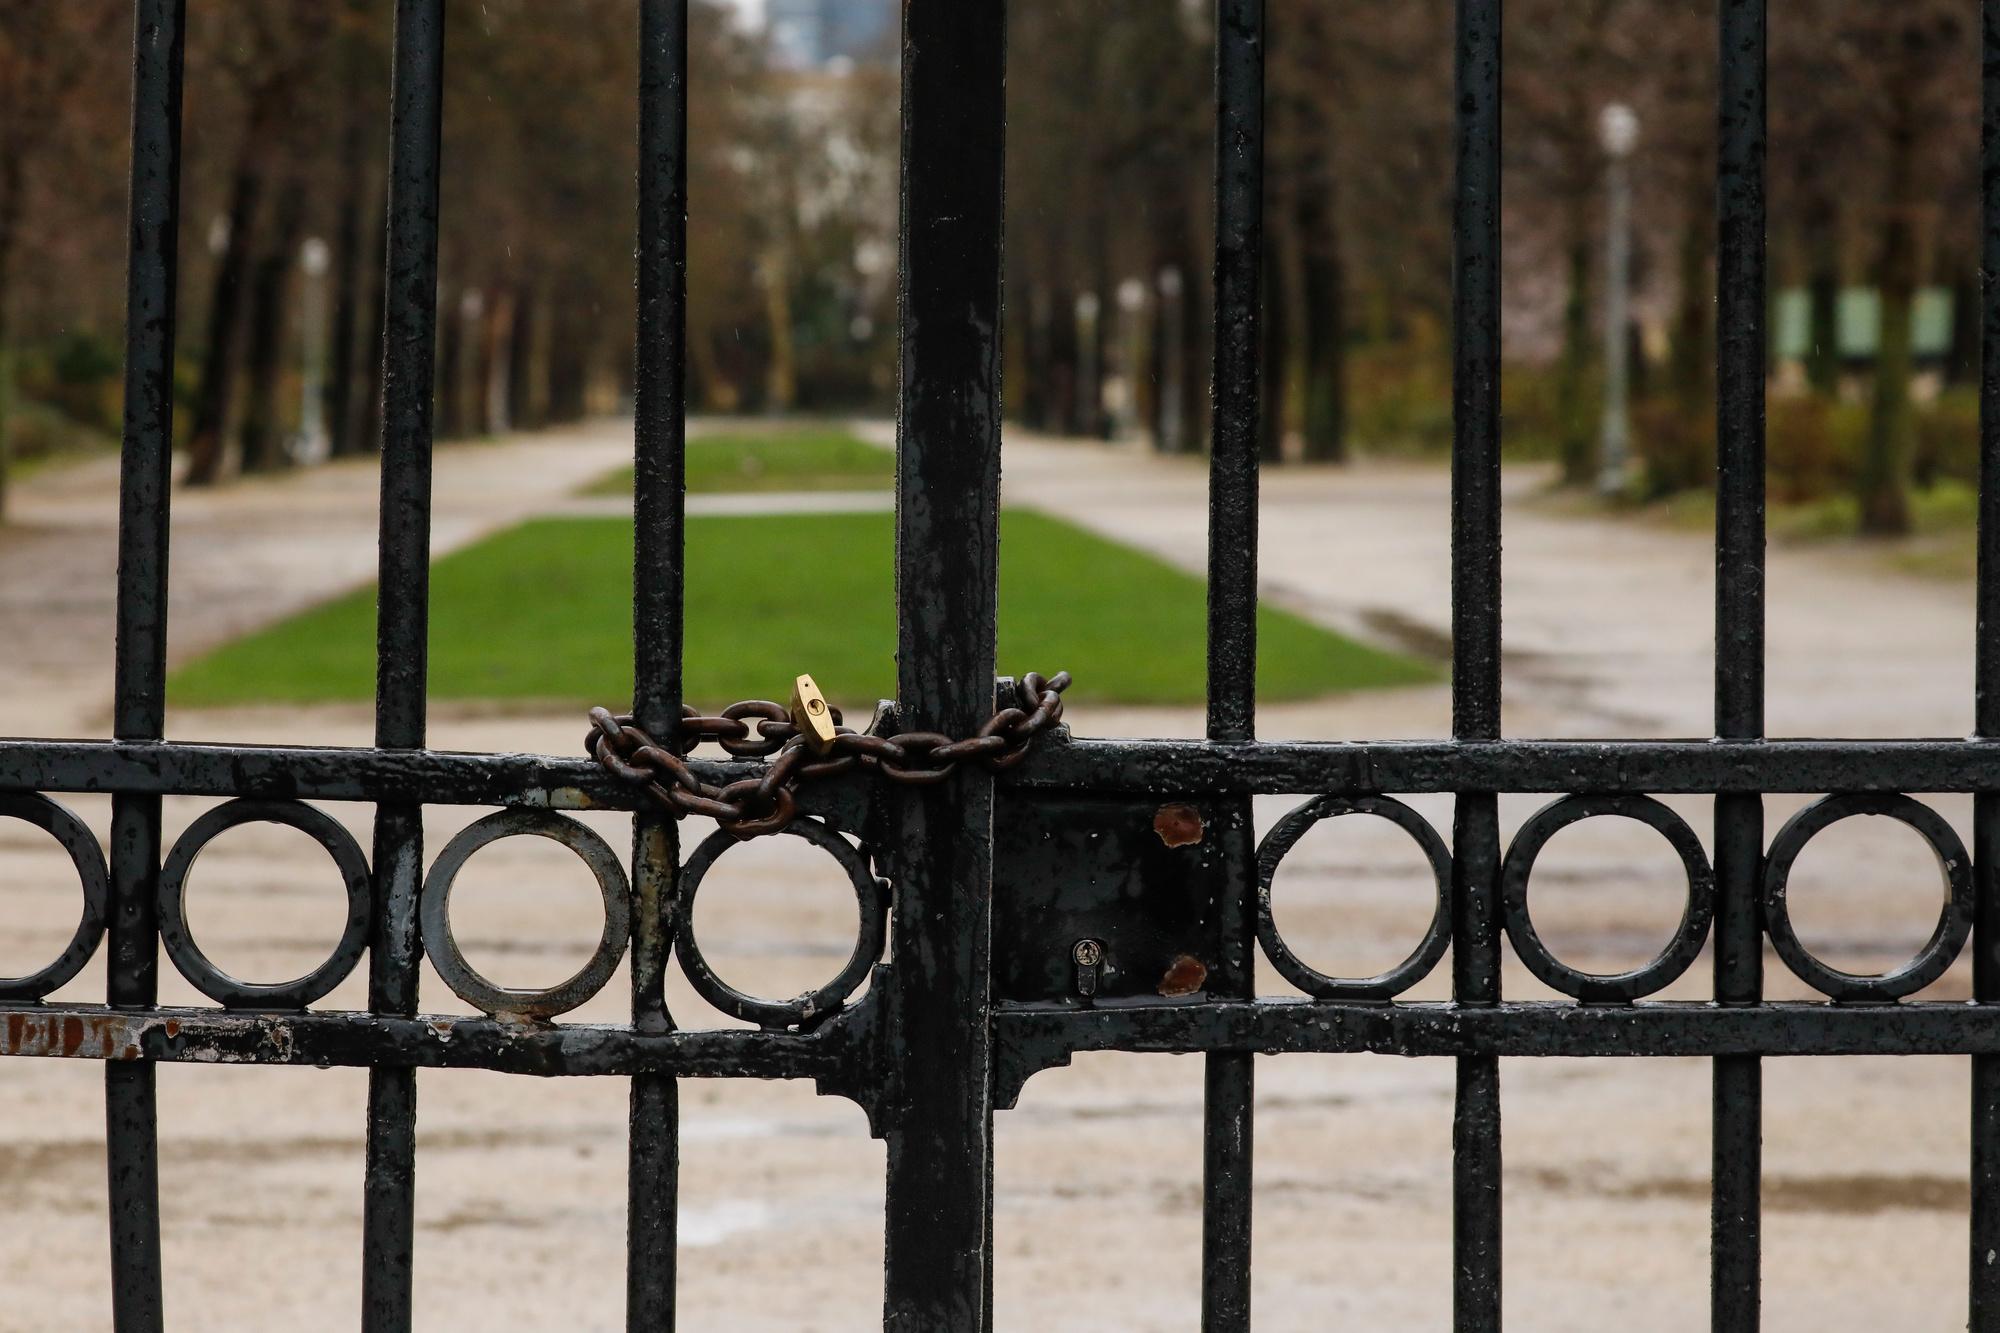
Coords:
pixel 1232 464
pixel 401 634
pixel 1985 1256
pixel 145 468
pixel 1229 1120
pixel 1737 1143
pixel 940 1150
pixel 1475 647
pixel 659 541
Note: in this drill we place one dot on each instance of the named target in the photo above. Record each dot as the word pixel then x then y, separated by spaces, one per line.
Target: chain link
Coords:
pixel 761 729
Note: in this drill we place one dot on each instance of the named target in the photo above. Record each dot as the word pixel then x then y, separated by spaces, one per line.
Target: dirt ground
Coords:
pixel 520 1195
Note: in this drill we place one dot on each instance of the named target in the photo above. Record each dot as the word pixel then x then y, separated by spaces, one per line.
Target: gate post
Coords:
pixel 1229 1120
pixel 1475 654
pixel 402 636
pixel 1737 1081
pixel 659 559
pixel 1984 1273
pixel 131 1102
pixel 938 1247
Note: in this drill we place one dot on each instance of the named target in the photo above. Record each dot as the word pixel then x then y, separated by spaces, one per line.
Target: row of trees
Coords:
pixel 1872 182
pixel 1111 207
pixel 792 218
pixel 792 208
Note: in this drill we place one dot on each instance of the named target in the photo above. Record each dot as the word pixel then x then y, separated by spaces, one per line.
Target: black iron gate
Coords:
pixel 983 991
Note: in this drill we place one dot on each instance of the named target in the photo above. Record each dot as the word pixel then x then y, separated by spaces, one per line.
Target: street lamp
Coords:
pixel 1618 131
pixel 1090 375
pixel 1167 329
pixel 313 444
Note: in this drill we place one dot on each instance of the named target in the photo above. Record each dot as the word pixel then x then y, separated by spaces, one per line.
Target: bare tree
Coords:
pixel 271 68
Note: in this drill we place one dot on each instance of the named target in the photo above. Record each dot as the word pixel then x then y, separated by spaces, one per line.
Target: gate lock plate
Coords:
pixel 1105 897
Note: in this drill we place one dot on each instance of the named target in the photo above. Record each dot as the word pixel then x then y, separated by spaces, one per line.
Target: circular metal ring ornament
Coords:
pixel 870 895
pixel 1954 924
pixel 211 980
pixel 1670 962
pixel 434 913
pixel 1386 985
pixel 88 858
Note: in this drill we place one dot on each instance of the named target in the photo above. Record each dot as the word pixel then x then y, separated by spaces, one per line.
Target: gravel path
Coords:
pixel 242 555
pixel 521 1196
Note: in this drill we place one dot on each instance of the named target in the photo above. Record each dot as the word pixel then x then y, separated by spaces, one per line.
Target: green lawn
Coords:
pixel 1941 543
pixel 806 458
pixel 542 613
pixel 1946 508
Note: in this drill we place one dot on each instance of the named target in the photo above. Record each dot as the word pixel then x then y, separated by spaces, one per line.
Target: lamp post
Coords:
pixel 1089 374
pixel 313 443
pixel 1618 131
pixel 1131 312
pixel 1167 328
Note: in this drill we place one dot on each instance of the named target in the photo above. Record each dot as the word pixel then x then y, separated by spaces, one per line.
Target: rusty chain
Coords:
pixel 761 728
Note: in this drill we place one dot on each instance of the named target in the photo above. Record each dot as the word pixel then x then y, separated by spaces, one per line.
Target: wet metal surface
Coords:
pixel 1108 896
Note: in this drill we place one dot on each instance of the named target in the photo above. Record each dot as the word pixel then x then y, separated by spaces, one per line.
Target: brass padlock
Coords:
pixel 812 715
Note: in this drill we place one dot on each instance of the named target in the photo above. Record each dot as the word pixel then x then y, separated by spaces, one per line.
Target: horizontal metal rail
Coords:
pixel 1510 1028
pixel 438 777
pixel 1040 1035
pixel 327 1038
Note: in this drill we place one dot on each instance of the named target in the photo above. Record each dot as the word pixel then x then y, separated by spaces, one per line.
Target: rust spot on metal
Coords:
pixel 173 1026
pixel 28 1034
pixel 101 1037
pixel 1185 976
pixel 1179 825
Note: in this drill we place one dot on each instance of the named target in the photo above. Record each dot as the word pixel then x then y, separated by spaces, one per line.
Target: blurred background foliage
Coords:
pixel 792 189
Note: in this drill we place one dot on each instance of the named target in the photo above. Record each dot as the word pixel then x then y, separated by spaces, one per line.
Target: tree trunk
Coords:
pixel 1823 303
pixel 1277 351
pixel 521 407
pixel 344 422
pixel 1324 332
pixel 1173 266
pixel 12 170
pixel 1018 352
pixel 1577 413
pixel 1693 353
pixel 1170 409
pixel 374 343
pixel 450 383
pixel 781 375
pixel 1163 357
pixel 263 434
pixel 1962 361
pixel 495 372
pixel 217 386
pixel 568 369
pixel 1196 365
pixel 1576 444
pixel 1064 417
pixel 1093 418
pixel 1031 389
pixel 711 383
pixel 1883 479
pixel 346 411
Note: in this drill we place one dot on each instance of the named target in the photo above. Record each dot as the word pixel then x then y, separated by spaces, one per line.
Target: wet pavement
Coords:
pixel 521 1196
